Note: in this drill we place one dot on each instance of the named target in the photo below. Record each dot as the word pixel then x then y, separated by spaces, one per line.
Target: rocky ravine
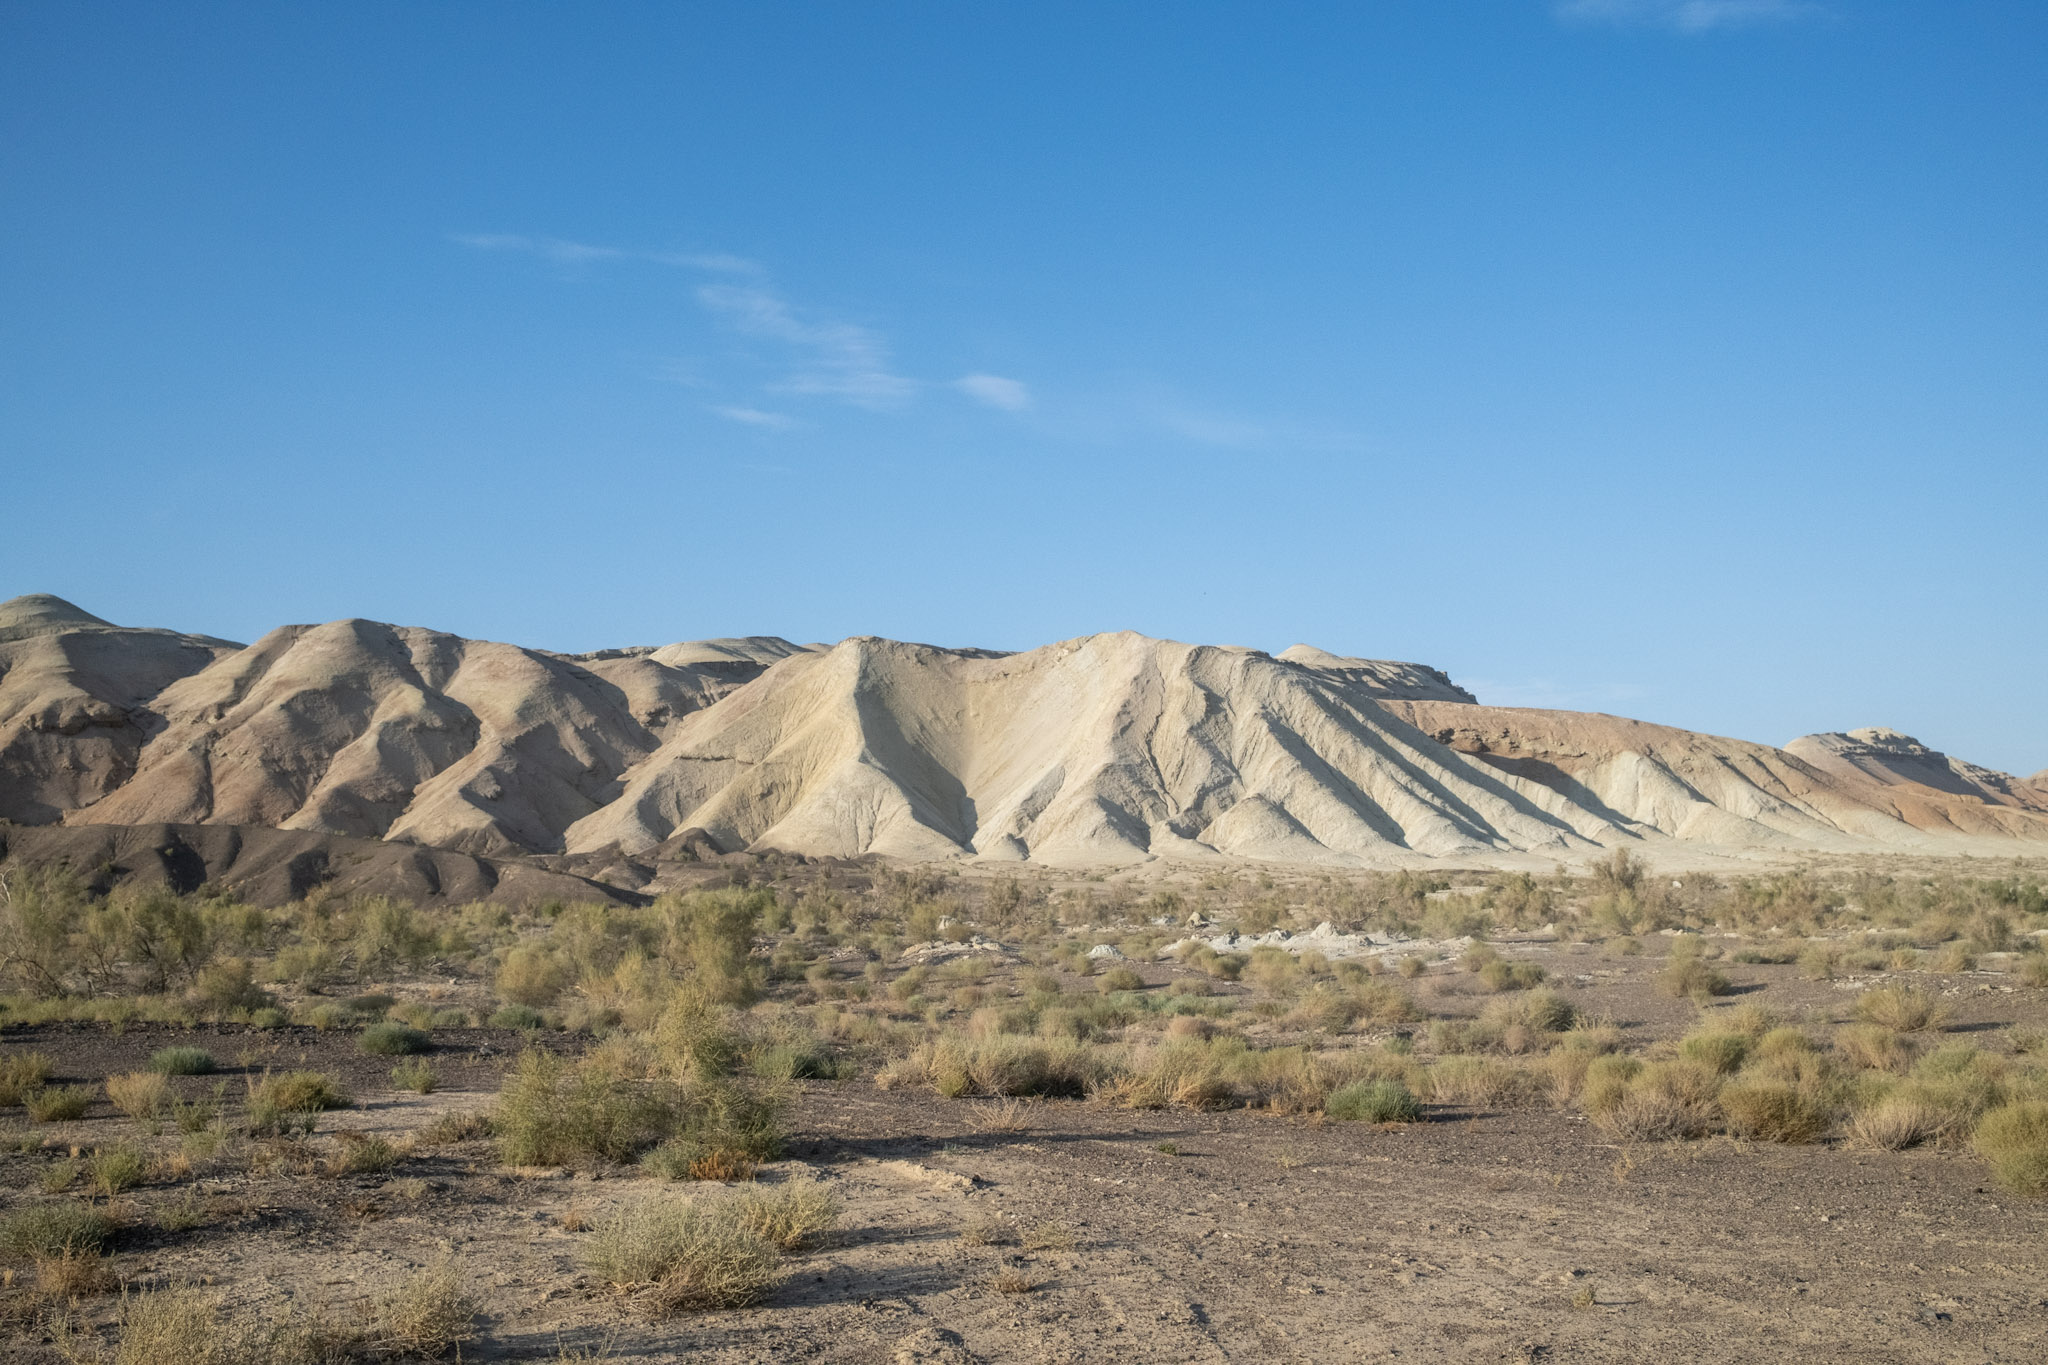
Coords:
pixel 1105 750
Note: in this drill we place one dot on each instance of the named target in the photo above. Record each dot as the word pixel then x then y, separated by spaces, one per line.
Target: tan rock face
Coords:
pixel 74 695
pixel 1103 750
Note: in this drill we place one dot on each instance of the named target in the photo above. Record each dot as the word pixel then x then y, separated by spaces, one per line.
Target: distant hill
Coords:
pixel 1104 750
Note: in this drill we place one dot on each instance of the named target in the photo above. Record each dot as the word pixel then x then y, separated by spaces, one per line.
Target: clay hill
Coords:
pixel 490 761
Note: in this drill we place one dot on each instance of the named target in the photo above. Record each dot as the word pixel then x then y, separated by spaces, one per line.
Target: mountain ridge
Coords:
pixel 1105 750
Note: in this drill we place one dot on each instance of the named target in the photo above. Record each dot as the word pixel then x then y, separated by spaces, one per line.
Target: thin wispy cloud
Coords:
pixel 1214 429
pixel 820 356
pixel 835 359
pixel 583 253
pixel 1685 16
pixel 756 417
pixel 1010 395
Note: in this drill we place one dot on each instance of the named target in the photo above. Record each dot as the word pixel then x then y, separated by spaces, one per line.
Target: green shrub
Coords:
pixel 1906 1009
pixel 556 1113
pixel 229 985
pixel 1775 1112
pixel 1662 1101
pixel 792 1214
pixel 45 1231
pixel 430 1313
pixel 360 1155
pixel 1119 979
pixel 531 975
pixel 1385 1101
pixel 21 1072
pixel 415 1074
pixel 183 1061
pixel 392 1039
pixel 57 1103
pixel 724 1133
pixel 691 1256
pixel 282 1104
pixel 114 1169
pixel 1721 1052
pixel 1503 975
pixel 1688 977
pixel 516 1016
pixel 1895 1122
pixel 2013 1140
pixel 141 1095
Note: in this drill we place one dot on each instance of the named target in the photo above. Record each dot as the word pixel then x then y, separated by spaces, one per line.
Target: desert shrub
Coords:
pixel 183 1061
pixel 692 1256
pixel 1785 1041
pixel 1542 1011
pixel 1718 1051
pixel 792 1214
pixel 1188 1072
pixel 114 1169
pixel 21 1072
pixel 1896 1122
pixel 2013 1140
pixel 1820 962
pixel 393 1040
pixel 57 1103
pixel 725 1133
pixel 1606 1081
pixel 1906 1009
pixel 516 1016
pixel 553 1113
pixel 302 1092
pixel 1503 975
pixel 2033 969
pixel 1664 1100
pixel 289 1103
pixel 415 1012
pixel 1876 1047
pixel 791 1055
pixel 415 1074
pixel 1476 1081
pixel 1955 957
pixel 1775 1111
pixel 1688 976
pixel 456 1127
pixel 1960 1082
pixel 430 1313
pixel 1002 1064
pixel 141 1095
pixel 356 1154
pixel 42 1231
pixel 531 975
pixel 1387 1101
pixel 708 940
pixel 1119 979
pixel 694 1038
pixel 229 985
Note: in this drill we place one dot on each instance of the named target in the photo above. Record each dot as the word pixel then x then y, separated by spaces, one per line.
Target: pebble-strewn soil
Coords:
pixel 1481 1236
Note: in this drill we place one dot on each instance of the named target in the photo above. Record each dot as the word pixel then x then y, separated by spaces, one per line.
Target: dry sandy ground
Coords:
pixel 1484 1236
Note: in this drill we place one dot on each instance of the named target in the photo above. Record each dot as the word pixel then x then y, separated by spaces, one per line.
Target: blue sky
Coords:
pixel 1681 358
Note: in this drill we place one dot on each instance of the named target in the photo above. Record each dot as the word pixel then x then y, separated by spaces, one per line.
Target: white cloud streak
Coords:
pixel 837 359
pixel 1684 16
pixel 755 417
pixel 825 358
pixel 1010 395
pixel 582 253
